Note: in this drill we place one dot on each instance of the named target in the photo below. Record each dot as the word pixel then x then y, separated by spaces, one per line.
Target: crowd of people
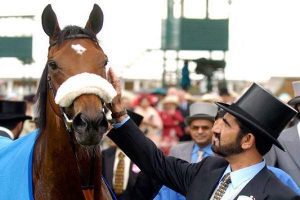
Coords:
pixel 194 130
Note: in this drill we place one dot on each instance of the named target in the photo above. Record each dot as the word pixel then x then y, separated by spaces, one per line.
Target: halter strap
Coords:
pixel 68 124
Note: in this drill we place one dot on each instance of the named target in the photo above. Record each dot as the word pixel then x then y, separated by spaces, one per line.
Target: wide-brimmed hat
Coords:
pixel 13 110
pixel 202 110
pixel 296 100
pixel 171 99
pixel 261 112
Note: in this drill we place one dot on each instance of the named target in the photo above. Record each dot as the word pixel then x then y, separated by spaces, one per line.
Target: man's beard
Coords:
pixel 227 149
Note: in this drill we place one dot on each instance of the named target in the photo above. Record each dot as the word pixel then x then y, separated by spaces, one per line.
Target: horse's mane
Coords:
pixel 68 32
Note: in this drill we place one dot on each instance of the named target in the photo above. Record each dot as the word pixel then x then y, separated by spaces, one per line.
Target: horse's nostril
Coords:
pixel 85 124
pixel 102 121
pixel 80 122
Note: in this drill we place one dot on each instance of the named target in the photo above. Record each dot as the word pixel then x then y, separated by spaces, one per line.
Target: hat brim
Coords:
pixel 254 126
pixel 294 101
pixel 14 117
pixel 189 119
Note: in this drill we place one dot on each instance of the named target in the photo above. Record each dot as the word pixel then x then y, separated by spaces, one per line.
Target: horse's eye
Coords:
pixel 105 63
pixel 52 64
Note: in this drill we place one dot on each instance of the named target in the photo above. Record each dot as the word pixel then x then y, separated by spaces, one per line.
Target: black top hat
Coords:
pixel 137 118
pixel 261 112
pixel 13 110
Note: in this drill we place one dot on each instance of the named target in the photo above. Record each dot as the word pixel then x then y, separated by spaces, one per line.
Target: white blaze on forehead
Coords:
pixel 85 83
pixel 78 48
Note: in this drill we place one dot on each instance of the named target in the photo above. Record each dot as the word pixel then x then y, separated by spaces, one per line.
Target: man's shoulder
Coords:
pixel 182 145
pixel 275 188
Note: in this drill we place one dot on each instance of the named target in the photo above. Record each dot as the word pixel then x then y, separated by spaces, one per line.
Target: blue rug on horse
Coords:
pixel 16 167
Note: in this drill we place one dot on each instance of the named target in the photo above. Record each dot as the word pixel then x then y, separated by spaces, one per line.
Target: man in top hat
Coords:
pixel 12 117
pixel 241 138
pixel 289 161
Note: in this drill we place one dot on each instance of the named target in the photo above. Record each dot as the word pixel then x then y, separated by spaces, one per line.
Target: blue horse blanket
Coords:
pixel 16 167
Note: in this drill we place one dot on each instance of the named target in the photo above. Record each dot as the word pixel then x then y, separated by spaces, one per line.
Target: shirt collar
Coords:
pixel 244 174
pixel 118 150
pixel 11 135
pixel 207 149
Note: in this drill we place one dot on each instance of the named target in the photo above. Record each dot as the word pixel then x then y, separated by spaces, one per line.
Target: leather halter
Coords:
pixel 68 122
pixel 70 37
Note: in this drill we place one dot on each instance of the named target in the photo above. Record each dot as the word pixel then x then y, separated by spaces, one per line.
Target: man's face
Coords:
pixel 201 131
pixel 226 140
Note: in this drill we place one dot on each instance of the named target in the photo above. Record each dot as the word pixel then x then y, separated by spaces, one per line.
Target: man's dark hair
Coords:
pixel 263 145
pixel 10 124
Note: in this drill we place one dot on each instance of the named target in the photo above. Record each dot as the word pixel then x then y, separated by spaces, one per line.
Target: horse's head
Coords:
pixel 76 76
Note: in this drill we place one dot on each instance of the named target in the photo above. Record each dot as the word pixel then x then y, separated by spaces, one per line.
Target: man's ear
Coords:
pixel 248 141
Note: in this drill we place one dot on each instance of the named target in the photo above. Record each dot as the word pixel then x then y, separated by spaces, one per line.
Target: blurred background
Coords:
pixel 200 46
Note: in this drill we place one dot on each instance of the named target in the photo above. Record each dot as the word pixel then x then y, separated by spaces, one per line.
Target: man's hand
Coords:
pixel 116 105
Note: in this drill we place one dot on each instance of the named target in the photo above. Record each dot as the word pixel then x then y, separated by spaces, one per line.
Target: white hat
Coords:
pixel 171 99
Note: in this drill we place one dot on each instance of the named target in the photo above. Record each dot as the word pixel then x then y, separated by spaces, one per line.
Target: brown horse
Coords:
pixel 67 157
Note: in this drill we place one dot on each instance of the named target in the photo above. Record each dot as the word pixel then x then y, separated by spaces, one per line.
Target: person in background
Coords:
pixel 225 96
pixel 159 94
pixel 152 123
pixel 289 161
pixel 29 125
pixel 172 120
pixel 117 168
pixel 240 138
pixel 12 117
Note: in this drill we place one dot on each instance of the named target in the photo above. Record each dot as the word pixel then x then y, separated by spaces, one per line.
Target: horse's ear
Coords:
pixel 95 21
pixel 50 23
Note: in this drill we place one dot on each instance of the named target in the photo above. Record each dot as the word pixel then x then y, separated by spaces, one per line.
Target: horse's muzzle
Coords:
pixel 89 130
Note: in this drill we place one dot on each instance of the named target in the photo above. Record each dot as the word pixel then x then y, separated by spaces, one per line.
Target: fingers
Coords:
pixel 114 80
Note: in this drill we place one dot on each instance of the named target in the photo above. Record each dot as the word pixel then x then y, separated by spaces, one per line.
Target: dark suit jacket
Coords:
pixel 196 181
pixel 108 158
pixel 4 134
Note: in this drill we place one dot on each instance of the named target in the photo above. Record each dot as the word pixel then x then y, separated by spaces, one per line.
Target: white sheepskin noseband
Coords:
pixel 84 83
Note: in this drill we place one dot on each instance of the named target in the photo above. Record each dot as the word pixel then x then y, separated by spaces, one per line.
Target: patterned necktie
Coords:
pixel 119 174
pixel 222 187
pixel 200 155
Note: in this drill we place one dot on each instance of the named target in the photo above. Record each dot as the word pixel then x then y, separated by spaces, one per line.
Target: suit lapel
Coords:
pixel 292 144
pixel 209 182
pixel 256 186
pixel 187 154
pixel 132 175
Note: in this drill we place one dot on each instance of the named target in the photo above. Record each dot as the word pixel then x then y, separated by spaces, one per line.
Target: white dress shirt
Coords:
pixel 239 179
pixel 11 135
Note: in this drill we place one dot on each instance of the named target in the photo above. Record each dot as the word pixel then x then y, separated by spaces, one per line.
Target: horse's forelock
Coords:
pixel 70 31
